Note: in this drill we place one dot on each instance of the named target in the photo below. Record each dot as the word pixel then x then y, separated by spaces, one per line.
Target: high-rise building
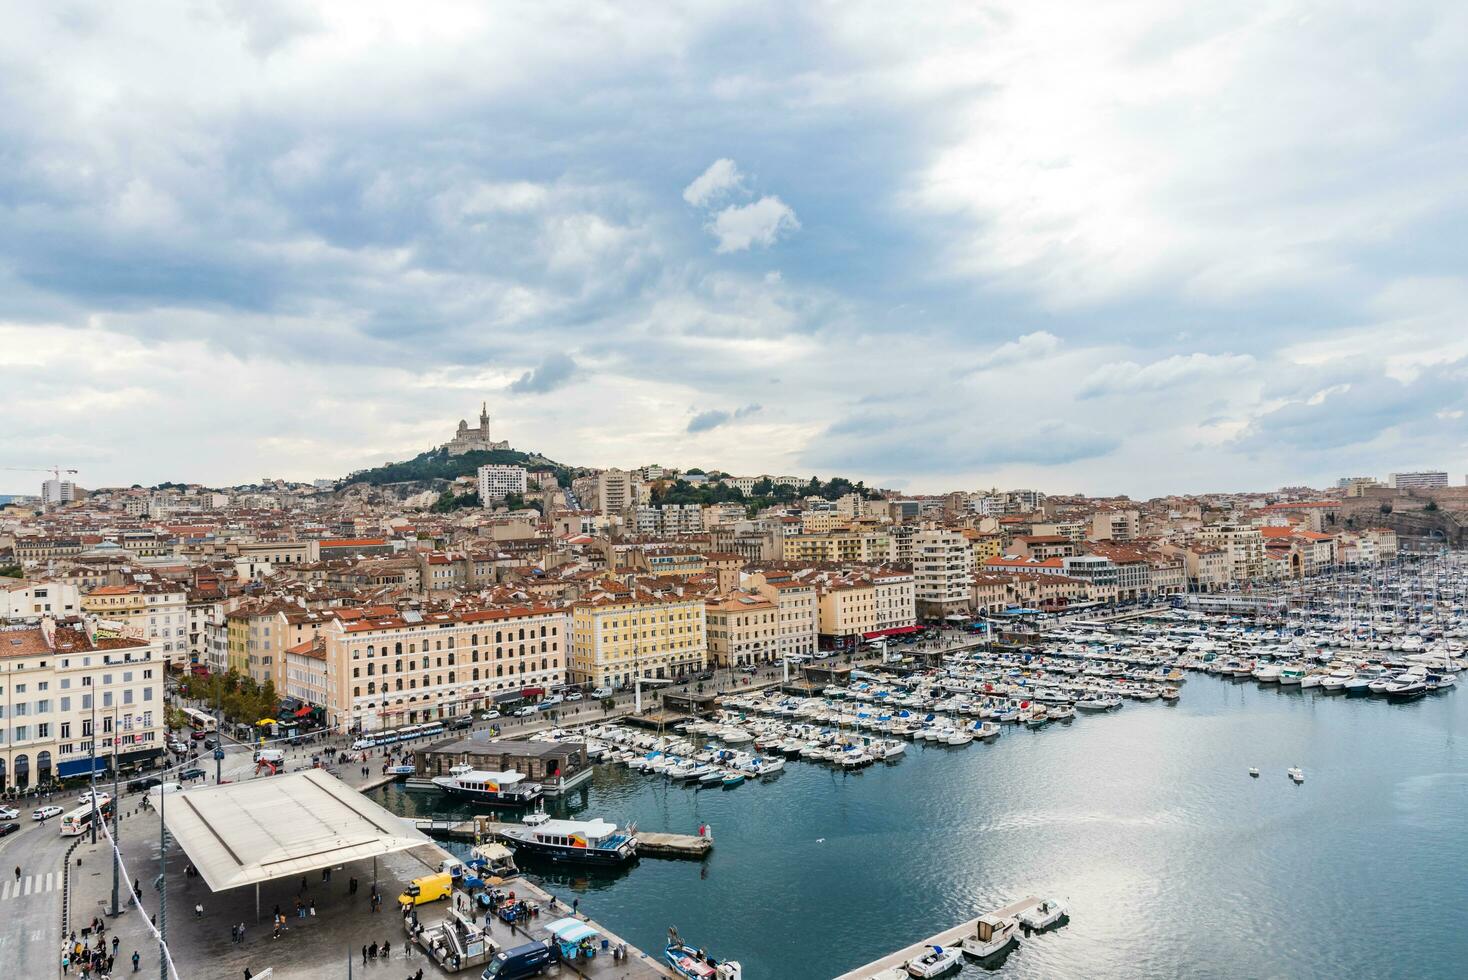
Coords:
pixel 55 493
pixel 496 482
pixel 1422 480
pixel 616 490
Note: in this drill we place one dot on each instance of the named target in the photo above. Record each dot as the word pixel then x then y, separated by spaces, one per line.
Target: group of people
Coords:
pixel 373 951
pixel 93 960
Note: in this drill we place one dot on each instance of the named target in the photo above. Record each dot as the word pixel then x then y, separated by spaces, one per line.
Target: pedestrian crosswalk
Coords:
pixel 30 885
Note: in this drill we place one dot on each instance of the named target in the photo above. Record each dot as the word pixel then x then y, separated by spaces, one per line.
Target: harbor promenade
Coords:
pixel 335 921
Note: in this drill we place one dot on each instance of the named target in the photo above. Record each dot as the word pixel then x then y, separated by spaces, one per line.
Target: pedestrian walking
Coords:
pixel 242 932
pixel 234 934
pixel 386 946
pixel 115 943
pixel 136 959
pixel 364 955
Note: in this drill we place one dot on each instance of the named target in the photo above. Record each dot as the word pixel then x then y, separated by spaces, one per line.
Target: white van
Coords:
pixel 272 756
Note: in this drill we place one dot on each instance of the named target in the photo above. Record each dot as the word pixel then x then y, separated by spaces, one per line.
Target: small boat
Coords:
pixel 1040 917
pixel 1296 773
pixel 934 963
pixel 1254 772
pixel 992 935
pixel 695 964
pixel 732 779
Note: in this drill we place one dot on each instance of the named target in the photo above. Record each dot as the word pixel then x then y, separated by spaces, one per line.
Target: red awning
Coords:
pixel 532 692
pixel 894 631
pixel 303 711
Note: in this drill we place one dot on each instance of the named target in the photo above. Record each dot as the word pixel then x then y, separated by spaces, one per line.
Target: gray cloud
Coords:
pixel 713 418
pixel 553 372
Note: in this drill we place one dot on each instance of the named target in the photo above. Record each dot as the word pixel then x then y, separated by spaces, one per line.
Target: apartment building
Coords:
pixel 1422 480
pixel 496 482
pixel 386 669
pixel 55 679
pixel 838 547
pixel 943 567
pixel 743 628
pixel 145 609
pixel 795 605
pixel 619 633
pixel 616 491
pixel 1243 546
pixel 863 605
pixel 22 599
pixel 1115 525
pixel 667 519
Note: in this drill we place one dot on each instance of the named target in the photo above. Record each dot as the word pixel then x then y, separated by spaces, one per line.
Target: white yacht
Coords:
pixel 993 934
pixel 935 962
pixel 1044 915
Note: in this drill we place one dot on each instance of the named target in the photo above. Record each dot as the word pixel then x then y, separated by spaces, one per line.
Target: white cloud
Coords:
pixel 1121 377
pixel 761 223
pixel 719 179
pixel 1028 347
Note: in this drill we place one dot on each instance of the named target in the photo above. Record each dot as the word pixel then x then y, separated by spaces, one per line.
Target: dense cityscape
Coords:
pixel 783 491
pixel 479 591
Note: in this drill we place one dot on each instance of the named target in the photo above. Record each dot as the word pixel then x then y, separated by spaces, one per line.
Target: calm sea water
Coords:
pixel 1174 861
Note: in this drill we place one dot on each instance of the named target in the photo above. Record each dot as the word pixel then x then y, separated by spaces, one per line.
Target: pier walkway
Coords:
pixel 892 964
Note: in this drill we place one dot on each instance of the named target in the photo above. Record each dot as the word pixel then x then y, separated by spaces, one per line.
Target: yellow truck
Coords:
pixel 429 888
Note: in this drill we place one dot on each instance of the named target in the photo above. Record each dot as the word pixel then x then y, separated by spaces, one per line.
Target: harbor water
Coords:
pixel 1175 863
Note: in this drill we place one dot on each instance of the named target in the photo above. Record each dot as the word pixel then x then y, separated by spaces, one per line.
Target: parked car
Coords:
pixel 749 669
pixel 197 734
pixel 45 812
pixel 9 813
pixel 574 696
pixel 707 675
pixel 6 829
pixel 602 693
pixel 525 712
pixel 490 715
pixel 551 701
pixel 191 774
pixel 144 784
pixel 464 722
pixel 212 742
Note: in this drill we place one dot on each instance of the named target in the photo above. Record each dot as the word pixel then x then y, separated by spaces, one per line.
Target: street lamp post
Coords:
pixel 116 816
pixel 93 775
pixel 162 885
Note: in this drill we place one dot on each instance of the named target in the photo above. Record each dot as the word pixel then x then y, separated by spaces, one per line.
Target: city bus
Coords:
pixel 78 821
pixel 200 720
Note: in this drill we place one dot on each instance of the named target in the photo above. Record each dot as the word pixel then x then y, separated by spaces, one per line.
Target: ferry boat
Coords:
pixel 489 788
pixel 573 841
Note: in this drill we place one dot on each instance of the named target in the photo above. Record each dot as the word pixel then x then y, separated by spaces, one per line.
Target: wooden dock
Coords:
pixel 891 965
pixel 673 845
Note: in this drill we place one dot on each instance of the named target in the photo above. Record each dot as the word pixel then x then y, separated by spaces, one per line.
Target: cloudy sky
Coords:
pixel 1120 247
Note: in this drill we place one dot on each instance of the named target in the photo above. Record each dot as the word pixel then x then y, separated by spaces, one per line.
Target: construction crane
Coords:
pixel 55 471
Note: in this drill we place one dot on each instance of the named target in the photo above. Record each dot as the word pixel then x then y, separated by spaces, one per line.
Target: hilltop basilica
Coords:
pixel 467 440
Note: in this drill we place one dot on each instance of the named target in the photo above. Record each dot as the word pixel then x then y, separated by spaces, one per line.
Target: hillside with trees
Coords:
pixel 437 464
pixel 764 493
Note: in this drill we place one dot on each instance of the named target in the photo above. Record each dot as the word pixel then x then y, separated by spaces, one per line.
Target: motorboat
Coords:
pixel 695 964
pixel 1254 772
pixel 1336 679
pixel 1267 673
pixel 1043 916
pixel 574 841
pixel 992 935
pixel 1296 773
pixel 489 788
pixel 1406 687
pixel 935 962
